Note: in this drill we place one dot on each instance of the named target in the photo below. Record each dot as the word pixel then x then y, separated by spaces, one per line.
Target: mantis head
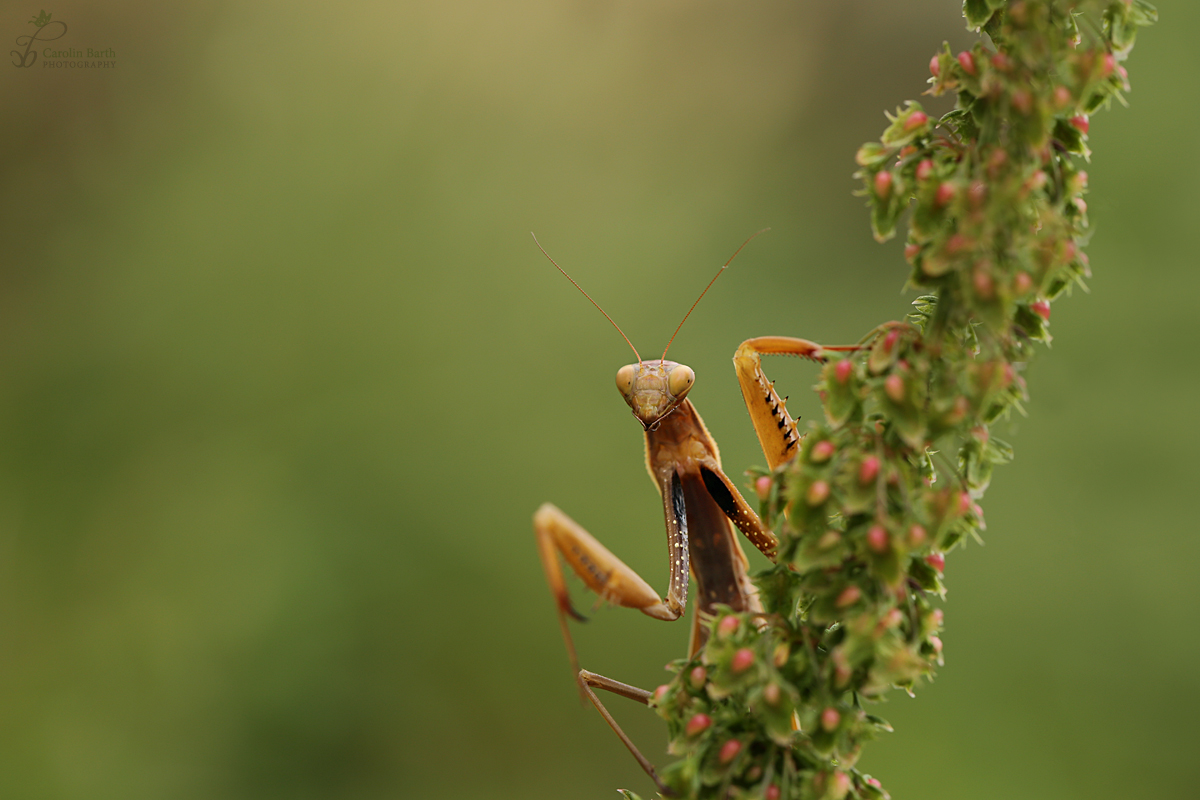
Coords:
pixel 653 389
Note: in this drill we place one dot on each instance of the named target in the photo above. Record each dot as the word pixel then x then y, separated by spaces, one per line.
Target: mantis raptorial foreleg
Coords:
pixel 775 428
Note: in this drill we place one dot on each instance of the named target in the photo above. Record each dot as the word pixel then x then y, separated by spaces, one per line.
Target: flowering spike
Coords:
pixel 890 479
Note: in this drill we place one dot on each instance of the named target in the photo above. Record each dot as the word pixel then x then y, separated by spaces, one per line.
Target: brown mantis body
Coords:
pixel 702 507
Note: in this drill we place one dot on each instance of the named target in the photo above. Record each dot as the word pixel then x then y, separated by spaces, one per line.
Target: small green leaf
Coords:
pixel 1143 13
pixel 955 117
pixel 873 155
pixel 884 216
pixel 977 12
pixel 885 350
pixel 1031 323
pixel 998 451
pixel 1069 136
pixel 925 576
pixel 778 587
pixel 906 126
pixel 819 550
pixel 843 398
pixel 975 466
pixel 881 723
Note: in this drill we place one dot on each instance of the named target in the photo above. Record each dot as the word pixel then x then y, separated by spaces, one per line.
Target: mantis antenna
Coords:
pixel 589 297
pixel 706 288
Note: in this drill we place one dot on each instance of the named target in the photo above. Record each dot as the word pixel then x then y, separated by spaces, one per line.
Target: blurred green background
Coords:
pixel 283 378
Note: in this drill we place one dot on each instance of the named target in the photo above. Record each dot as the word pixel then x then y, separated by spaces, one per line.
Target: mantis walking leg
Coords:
pixel 608 576
pixel 587 680
pixel 604 573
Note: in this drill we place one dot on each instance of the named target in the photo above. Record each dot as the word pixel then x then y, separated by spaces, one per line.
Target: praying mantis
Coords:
pixel 701 505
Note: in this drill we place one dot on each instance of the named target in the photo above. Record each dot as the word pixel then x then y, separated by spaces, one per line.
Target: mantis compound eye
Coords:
pixel 625 379
pixel 680 381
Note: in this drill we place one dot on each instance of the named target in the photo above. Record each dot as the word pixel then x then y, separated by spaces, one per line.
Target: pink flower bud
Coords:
pixel 1107 65
pixel 1070 250
pixel 1022 284
pixel 1062 97
pixel 698 724
pixel 945 193
pixel 889 341
pixel 762 487
pixel 1081 124
pixel 996 162
pixel 915 120
pixel 924 169
pixel 875 782
pixel 818 493
pixel 910 251
pixel 1022 101
pixel 698 677
pixel 935 67
pixel 868 470
pixel 839 786
pixel 877 539
pixel 961 407
pixel 728 625
pixel 916 536
pixel 830 719
pixel 772 694
pixel 729 751
pixel 849 596
pixel 772 792
pixel 1002 62
pixel 937 561
pixel 984 285
pixel 843 370
pixel 883 184
pixel 964 500
pixel 977 193
pixel 841 670
pixel 743 659
pixel 937 644
pixel 893 386
pixel 958 243
pixel 1081 204
pixel 821 451
pixel 967 62
pixel 1041 308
